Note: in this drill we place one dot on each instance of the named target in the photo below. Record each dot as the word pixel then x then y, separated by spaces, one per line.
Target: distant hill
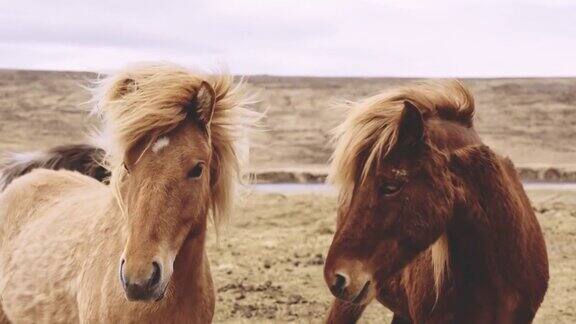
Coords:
pixel 531 120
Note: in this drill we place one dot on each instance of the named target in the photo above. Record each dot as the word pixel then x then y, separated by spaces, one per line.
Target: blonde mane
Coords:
pixel 146 101
pixel 370 132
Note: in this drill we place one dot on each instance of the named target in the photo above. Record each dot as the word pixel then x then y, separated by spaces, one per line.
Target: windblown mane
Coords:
pixel 371 129
pixel 146 101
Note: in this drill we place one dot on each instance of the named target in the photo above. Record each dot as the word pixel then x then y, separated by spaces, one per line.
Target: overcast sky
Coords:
pixel 329 38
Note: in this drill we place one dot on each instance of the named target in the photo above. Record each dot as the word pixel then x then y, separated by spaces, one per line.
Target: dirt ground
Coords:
pixel 268 264
pixel 531 120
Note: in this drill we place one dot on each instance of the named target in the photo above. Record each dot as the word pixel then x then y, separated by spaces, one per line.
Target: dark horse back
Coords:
pixel 83 158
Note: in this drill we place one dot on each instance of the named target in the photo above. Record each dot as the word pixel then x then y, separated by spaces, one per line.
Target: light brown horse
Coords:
pixel 431 223
pixel 75 250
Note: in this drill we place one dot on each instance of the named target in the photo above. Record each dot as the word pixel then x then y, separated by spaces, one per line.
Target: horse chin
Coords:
pixel 153 297
pixel 365 295
pixel 147 296
pixel 362 296
pixel 159 296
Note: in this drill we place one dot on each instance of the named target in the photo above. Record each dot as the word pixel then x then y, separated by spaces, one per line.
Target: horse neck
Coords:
pixel 191 257
pixel 493 236
pixel 190 265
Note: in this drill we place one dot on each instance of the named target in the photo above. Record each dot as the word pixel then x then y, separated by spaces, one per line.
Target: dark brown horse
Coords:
pixel 431 222
pixel 84 158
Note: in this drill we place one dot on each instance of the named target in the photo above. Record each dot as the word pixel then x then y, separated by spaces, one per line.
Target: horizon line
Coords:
pixel 334 76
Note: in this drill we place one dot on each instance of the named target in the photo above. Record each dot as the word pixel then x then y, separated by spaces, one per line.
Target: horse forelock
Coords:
pixel 147 101
pixel 370 130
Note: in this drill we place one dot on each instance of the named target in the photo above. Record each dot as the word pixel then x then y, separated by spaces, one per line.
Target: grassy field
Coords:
pixel 268 265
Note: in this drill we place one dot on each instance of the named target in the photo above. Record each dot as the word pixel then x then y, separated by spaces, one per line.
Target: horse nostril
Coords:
pixel 339 284
pixel 155 279
pixel 122 280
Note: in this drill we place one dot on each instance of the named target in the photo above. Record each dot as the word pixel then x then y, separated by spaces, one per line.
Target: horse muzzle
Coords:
pixel 357 293
pixel 138 287
pixel 350 282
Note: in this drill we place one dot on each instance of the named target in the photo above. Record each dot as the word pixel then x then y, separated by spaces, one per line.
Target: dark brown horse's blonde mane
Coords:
pixel 371 128
pixel 370 132
pixel 146 101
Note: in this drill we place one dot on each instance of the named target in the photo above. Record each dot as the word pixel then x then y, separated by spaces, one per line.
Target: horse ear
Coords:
pixel 205 100
pixel 411 130
pixel 124 87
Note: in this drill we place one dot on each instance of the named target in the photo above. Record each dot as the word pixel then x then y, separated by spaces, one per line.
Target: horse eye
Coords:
pixel 391 188
pixel 196 171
